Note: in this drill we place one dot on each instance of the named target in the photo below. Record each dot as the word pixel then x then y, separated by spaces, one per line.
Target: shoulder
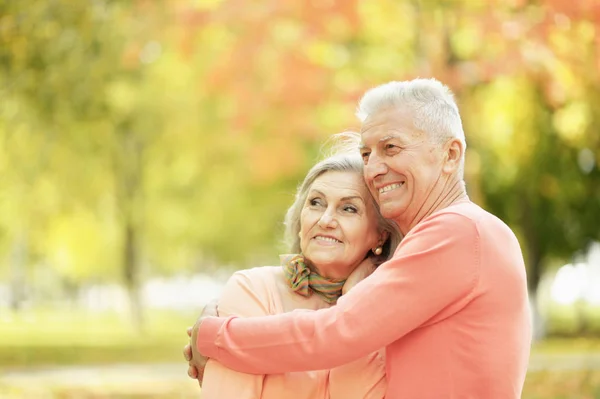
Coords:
pixel 248 292
pixel 466 219
pixel 457 222
pixel 256 279
pixel 447 243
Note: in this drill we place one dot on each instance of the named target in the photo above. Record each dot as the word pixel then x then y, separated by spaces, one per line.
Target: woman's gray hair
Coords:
pixel 344 156
pixel 430 102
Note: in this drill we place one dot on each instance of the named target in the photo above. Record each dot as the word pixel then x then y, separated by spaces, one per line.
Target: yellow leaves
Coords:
pixel 122 96
pixel 390 22
pixel 286 32
pixel 273 161
pixel 472 163
pixel 586 31
pixel 502 121
pixel 560 42
pixel 206 4
pixel 80 246
pixel 467 40
pixel 338 28
pixel 226 128
pixel 327 54
pixel 572 122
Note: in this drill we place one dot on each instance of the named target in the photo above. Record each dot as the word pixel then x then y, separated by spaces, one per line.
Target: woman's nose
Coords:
pixel 327 220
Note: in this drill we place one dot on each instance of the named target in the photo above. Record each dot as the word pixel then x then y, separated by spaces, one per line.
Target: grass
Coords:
pixel 562 385
pixel 42 337
pixel 559 345
pixel 39 338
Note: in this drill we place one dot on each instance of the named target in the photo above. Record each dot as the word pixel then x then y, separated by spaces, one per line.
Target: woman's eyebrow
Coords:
pixel 315 191
pixel 353 197
pixel 347 198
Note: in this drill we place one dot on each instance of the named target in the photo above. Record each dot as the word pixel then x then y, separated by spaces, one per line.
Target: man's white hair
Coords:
pixel 430 102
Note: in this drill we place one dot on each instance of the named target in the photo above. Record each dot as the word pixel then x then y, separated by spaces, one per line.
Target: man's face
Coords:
pixel 402 164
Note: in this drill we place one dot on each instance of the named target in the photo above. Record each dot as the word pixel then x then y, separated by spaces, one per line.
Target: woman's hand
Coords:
pixel 362 271
pixel 196 361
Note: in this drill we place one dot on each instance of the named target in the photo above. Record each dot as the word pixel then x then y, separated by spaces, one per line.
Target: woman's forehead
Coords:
pixel 341 183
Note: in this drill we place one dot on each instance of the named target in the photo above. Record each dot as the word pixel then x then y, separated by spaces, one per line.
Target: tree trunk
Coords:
pixel 534 272
pixel 18 263
pixel 131 275
pixel 127 170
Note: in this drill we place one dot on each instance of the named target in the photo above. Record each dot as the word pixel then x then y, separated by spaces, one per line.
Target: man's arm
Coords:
pixel 432 275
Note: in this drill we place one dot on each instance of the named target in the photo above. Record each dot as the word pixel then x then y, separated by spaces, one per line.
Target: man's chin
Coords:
pixel 390 211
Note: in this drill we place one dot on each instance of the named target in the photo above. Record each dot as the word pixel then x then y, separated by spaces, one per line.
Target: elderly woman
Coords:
pixel 337 235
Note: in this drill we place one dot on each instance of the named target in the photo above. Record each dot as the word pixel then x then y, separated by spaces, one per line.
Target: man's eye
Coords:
pixel 390 146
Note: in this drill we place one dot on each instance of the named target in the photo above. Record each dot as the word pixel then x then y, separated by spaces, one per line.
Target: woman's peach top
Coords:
pixel 264 291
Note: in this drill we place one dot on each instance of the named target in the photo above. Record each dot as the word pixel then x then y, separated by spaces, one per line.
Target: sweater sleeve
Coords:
pixel 431 276
pixel 244 299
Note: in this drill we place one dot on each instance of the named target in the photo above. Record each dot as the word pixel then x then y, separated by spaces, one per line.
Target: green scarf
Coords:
pixel 304 281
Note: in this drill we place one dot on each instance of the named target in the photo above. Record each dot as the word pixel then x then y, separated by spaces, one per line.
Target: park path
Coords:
pixel 170 379
pixel 164 381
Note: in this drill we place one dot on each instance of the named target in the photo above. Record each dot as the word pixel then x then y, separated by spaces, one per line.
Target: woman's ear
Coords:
pixel 383 237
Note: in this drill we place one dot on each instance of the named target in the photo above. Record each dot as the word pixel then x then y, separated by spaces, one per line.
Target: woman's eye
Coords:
pixel 314 202
pixel 350 209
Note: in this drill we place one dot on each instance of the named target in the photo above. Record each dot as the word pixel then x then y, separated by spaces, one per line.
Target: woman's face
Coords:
pixel 338 224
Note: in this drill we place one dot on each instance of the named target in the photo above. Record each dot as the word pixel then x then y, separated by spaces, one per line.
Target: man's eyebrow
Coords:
pixel 363 146
pixel 388 137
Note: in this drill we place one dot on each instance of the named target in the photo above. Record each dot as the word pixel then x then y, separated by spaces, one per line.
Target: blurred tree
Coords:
pixel 533 121
pixel 47 90
pixel 170 135
pixel 68 79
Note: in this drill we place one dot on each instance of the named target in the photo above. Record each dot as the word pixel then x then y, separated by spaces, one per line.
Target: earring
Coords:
pixel 378 251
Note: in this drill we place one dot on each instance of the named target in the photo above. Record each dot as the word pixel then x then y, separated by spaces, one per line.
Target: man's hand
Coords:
pixel 361 272
pixel 196 361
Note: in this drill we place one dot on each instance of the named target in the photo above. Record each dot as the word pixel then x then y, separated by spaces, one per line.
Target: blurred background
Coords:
pixel 148 148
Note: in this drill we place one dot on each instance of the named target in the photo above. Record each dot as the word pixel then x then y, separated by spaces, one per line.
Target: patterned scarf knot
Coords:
pixel 305 281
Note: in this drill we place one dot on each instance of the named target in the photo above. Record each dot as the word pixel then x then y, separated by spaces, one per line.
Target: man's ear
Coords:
pixel 452 156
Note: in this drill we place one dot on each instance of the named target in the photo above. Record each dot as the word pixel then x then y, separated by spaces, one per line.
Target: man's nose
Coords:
pixel 374 167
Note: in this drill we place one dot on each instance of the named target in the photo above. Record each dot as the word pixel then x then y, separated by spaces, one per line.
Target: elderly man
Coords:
pixel 450 307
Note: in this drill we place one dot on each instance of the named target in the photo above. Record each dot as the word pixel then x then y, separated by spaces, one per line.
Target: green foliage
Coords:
pixel 172 136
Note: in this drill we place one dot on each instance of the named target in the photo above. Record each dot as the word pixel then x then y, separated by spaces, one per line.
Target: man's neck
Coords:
pixel 452 192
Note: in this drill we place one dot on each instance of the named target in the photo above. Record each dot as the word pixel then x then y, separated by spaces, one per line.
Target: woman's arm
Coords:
pixel 361 379
pixel 241 297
